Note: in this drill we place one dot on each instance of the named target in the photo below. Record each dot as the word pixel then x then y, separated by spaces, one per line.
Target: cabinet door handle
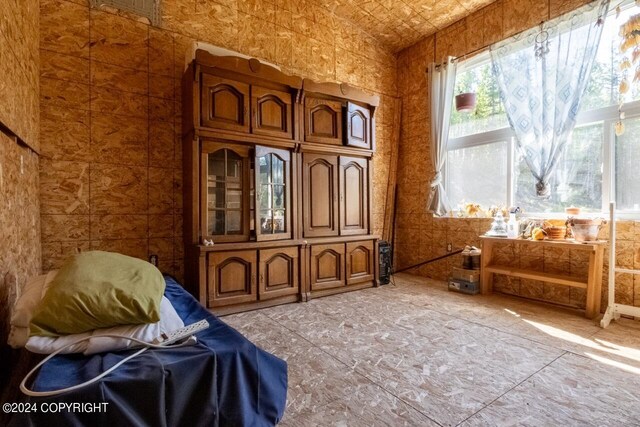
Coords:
pixel 261 278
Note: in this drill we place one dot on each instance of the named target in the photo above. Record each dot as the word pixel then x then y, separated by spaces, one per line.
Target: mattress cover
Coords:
pixel 223 380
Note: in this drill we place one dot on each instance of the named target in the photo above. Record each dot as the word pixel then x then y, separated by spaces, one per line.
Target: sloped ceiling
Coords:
pixel 401 23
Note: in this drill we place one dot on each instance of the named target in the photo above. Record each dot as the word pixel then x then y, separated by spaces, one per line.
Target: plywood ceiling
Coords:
pixel 400 23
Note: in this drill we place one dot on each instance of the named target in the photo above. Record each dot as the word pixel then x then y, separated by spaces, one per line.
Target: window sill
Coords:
pixel 624 215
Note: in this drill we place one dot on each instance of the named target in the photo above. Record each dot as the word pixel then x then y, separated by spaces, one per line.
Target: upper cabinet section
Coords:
pixel 338 114
pixel 235 97
pixel 246 101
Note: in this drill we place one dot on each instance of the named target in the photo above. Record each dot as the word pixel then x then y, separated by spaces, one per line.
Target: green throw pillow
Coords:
pixel 99 290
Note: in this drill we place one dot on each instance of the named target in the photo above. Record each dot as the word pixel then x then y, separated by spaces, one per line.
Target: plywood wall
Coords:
pixel 19 115
pixel 111 107
pixel 419 235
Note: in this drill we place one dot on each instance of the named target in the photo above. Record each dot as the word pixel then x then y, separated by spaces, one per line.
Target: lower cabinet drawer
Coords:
pixel 360 262
pixel 327 266
pixel 231 278
pixel 278 272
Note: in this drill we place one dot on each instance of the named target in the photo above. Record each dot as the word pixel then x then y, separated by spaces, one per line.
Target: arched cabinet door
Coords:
pixel 322 121
pixel 272 112
pixel 224 196
pixel 278 272
pixel 360 261
pixel 320 195
pixel 231 278
pixel 327 266
pixel 358 126
pixel 224 103
pixel 354 196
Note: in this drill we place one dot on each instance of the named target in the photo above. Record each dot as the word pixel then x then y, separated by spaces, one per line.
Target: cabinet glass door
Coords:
pixel 226 194
pixel 272 194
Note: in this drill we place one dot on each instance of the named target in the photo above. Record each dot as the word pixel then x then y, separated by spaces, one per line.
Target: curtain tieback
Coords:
pixel 437 180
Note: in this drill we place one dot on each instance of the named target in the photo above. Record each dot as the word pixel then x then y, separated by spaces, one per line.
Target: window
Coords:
pixel 484 166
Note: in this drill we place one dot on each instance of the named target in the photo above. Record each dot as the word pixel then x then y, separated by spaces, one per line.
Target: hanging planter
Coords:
pixel 466 102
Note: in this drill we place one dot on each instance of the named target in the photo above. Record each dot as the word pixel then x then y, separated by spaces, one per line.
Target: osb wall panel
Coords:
pixel 20 235
pixel 19 68
pixel 19 209
pixel 111 110
pixel 419 236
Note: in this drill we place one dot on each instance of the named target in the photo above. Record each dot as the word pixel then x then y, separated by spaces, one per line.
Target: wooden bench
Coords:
pixel 592 284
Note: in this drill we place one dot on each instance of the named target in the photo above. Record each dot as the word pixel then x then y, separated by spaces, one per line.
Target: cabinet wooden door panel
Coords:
pixel 231 278
pixel 360 259
pixel 322 121
pixel 320 195
pixel 278 272
pixel 354 196
pixel 224 103
pixel 272 112
pixel 358 126
pixel 327 266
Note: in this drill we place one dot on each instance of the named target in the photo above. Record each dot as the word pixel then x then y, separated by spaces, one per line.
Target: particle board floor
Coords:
pixel 415 354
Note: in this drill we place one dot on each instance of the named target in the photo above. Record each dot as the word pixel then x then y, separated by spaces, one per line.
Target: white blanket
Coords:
pixel 169 321
pixel 29 300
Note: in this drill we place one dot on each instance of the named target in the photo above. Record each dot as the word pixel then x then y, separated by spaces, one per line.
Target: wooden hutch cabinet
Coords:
pixel 277 177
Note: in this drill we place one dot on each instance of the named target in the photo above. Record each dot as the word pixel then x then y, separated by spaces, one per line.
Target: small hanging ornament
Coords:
pixel 542 43
pixel 619 128
pixel 624 86
pixel 625 64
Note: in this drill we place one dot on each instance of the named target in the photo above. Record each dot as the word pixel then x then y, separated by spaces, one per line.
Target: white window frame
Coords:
pixel 607 115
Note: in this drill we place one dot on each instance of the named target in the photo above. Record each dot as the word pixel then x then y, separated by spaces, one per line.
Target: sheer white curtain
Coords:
pixel 442 79
pixel 542 92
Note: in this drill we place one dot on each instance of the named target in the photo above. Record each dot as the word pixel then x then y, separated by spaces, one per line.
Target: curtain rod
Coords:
pixel 476 51
pixel 472 53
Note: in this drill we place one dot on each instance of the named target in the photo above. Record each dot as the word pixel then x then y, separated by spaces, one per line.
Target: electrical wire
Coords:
pixel 147 345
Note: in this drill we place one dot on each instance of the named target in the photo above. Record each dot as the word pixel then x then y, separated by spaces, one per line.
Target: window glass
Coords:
pixel 602 90
pixel 627 175
pixel 478 175
pixel 576 181
pixel 489 112
pixel 224 193
pixel 272 194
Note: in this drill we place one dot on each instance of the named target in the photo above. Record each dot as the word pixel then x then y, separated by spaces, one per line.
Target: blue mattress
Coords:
pixel 223 380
